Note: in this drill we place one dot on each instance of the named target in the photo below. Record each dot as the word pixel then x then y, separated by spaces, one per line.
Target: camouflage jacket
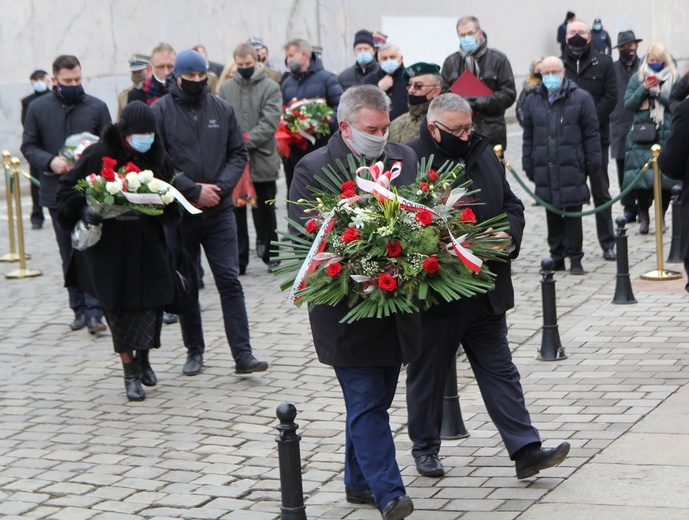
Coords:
pixel 406 127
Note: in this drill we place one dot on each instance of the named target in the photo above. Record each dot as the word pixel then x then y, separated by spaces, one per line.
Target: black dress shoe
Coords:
pixel 535 459
pixel 429 466
pixel 193 365
pixel 78 323
pixel 148 376
pixel 576 268
pixel 169 318
pixel 630 216
pixel 558 265
pixel 360 496
pixel 609 254
pixel 398 508
pixel 247 363
pixel 95 325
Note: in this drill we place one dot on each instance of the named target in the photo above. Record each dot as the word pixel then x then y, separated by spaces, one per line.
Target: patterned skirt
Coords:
pixel 135 329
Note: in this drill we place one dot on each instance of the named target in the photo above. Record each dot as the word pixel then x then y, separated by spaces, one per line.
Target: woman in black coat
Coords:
pixel 128 269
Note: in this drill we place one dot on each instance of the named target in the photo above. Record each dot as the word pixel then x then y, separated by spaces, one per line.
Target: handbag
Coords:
pixel 184 280
pixel 645 133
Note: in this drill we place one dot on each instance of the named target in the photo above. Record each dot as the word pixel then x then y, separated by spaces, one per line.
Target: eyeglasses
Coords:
pixel 164 67
pixel 458 132
pixel 418 86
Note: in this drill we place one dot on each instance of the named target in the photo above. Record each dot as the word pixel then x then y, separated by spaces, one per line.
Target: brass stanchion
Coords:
pixel 22 272
pixel 660 273
pixel 12 256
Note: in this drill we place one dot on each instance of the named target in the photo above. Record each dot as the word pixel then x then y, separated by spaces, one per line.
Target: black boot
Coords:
pixel 644 221
pixel 148 376
pixel 132 381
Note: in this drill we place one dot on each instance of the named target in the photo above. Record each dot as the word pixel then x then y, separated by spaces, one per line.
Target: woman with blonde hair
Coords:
pixel 648 96
pixel 533 79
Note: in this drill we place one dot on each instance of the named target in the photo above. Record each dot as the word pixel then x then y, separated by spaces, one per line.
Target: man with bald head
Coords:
pixel 595 73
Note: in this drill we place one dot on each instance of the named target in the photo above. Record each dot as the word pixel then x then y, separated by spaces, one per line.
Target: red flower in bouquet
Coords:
pixel 424 217
pixel 108 173
pixel 109 163
pixel 423 186
pixel 394 249
pixel 348 189
pixel 387 282
pixel 468 216
pixel 350 235
pixel 311 226
pixel 433 175
pixel 334 269
pixel 431 265
pixel 131 167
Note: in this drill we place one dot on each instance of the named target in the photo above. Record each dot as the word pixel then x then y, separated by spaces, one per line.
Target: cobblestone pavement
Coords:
pixel 72 447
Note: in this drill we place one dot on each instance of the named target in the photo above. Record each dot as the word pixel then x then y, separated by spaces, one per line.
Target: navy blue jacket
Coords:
pixel 316 82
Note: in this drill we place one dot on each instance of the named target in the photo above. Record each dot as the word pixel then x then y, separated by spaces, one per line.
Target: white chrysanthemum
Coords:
pixel 155 186
pixel 145 176
pixel 113 187
pixel 360 217
pixel 167 197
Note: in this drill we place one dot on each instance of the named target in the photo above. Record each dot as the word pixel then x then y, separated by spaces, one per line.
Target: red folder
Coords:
pixel 469 86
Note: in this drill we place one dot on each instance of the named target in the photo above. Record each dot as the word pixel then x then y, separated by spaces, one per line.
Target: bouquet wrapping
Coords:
pixel 302 122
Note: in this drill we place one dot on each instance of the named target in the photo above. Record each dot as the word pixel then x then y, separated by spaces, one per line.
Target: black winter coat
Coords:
pixel 621 119
pixel 496 197
pixel 397 93
pixel 49 121
pixel 316 82
pixel 561 144
pixel 674 162
pixel 367 342
pixel 205 142
pixel 679 92
pixel 129 267
pixel 594 73
pixel 355 76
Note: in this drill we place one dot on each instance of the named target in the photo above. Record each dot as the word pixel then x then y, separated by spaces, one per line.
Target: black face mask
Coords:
pixel 247 72
pixel 453 145
pixel 193 88
pixel 416 100
pixel 577 43
pixel 70 93
pixel 627 55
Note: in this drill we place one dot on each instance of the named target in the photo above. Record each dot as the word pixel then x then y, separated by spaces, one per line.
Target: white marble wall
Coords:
pixel 105 33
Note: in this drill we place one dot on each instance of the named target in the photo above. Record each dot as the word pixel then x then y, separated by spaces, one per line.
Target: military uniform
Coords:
pixel 407 126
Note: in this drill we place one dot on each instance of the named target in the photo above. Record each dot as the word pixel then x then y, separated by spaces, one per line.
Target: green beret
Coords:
pixel 419 69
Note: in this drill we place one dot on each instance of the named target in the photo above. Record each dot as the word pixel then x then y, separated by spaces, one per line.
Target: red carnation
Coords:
pixel 109 162
pixel 433 175
pixel 350 235
pixel 334 269
pixel 468 216
pixel 423 186
pixel 108 174
pixel 387 282
pixel 311 226
pixel 424 217
pixel 394 249
pixel 348 185
pixel 431 265
pixel 131 167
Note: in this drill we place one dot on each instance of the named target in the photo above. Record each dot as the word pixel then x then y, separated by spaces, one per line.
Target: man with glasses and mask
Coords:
pixel 162 63
pixel 201 134
pixel 479 322
pixel 367 355
pixel 424 84
pixel 493 69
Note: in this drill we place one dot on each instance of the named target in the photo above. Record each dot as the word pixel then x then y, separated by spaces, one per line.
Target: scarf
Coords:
pixel 665 80
pixel 470 60
pixel 153 90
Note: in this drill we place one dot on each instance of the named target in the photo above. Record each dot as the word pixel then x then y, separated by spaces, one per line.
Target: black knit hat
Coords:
pixel 137 118
pixel 363 36
pixel 38 74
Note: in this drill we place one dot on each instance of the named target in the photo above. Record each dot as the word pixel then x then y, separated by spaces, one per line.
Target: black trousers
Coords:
pixel 628 201
pixel 265 223
pixel 565 235
pixel 600 192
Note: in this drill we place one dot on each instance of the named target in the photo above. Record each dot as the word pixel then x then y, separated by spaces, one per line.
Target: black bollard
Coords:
pixel 452 426
pixel 551 347
pixel 675 254
pixel 623 286
pixel 292 507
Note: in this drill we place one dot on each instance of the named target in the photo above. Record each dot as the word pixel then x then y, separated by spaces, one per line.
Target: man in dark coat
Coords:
pixel 201 134
pixel 674 162
pixel 621 119
pixel 594 73
pixel 365 66
pixel 479 322
pixel 155 87
pixel 600 39
pixel 40 82
pixel 560 146
pixel 366 355
pixel 50 120
pixel 562 31
pixel 490 66
pixel 390 78
pixel 307 79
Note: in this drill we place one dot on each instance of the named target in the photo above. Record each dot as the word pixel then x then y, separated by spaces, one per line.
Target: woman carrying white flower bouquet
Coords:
pixel 128 268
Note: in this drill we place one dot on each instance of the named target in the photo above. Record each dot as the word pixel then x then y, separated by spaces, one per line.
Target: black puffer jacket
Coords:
pixel 561 144
pixel 205 142
pixel 316 82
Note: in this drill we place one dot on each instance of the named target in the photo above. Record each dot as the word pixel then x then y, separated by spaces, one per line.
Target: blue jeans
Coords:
pixel 79 301
pixel 370 450
pixel 217 233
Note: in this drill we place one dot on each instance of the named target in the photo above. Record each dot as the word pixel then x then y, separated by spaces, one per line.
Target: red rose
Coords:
pixel 131 167
pixel 109 162
pixel 433 175
pixel 431 265
pixel 347 194
pixel 334 269
pixel 311 226
pixel 394 249
pixel 387 282
pixel 108 174
pixel 350 235
pixel 348 185
pixel 424 217
pixel 423 186
pixel 468 216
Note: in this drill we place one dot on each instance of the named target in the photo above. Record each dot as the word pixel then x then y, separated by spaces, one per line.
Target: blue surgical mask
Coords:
pixel 597 27
pixel 468 44
pixel 552 82
pixel 389 66
pixel 40 86
pixel 657 67
pixel 142 142
pixel 364 58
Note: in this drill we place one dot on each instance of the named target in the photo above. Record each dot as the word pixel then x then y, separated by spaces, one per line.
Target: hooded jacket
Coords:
pixel 315 82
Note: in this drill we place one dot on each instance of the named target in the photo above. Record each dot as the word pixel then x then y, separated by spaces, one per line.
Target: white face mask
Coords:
pixel 370 146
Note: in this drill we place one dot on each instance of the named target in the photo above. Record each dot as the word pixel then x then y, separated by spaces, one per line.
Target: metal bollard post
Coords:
pixel 551 347
pixel 675 254
pixel 452 426
pixel 292 507
pixel 9 189
pixel 22 272
pixel 623 286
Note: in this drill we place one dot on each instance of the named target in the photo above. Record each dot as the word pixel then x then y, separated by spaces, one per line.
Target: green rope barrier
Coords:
pixel 557 211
